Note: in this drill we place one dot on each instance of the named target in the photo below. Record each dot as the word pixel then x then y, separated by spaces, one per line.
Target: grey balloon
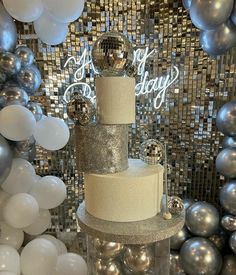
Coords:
pixel 208 14
pixel 187 4
pixel 29 78
pixel 229 265
pixel 233 14
pixel 228 222
pixel 202 219
pixel 26 55
pixel 9 63
pixel 178 239
pixel 188 203
pixel 228 197
pixel 13 95
pixel 220 40
pixel 232 242
pixel 176 267
pixel 8 33
pixel 35 109
pixel 5 159
pixel 229 142
pixel 226 162
pixel 199 256
pixel 226 119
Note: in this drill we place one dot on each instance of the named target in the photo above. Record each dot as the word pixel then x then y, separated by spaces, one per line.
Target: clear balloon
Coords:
pixel 226 162
pixel 232 242
pixel 9 63
pixel 8 34
pixel 21 179
pixel 26 55
pixel 72 264
pixel 13 237
pixel 17 123
pixel 3 199
pixel 229 265
pixel 24 10
pixel 49 30
pixel 60 246
pixel 38 257
pixel 229 142
pixel 49 191
pixel 178 239
pixel 13 95
pixel 63 12
pixel 20 210
pixel 228 197
pixel 9 259
pixel 52 133
pixel 35 109
pixel 207 14
pixel 5 159
pixel 41 224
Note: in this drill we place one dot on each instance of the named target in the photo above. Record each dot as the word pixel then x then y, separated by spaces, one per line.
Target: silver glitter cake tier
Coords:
pixel 101 149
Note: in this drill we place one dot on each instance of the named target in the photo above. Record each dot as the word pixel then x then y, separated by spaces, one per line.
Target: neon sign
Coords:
pixel 157 86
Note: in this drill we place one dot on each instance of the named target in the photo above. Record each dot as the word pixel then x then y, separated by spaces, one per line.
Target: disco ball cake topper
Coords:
pixel 112 54
pixel 151 151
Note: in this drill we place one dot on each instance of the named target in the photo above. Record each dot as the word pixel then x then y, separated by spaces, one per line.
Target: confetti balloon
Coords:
pixel 9 259
pixel 229 265
pixel 60 246
pixel 228 197
pixel 5 159
pixel 151 151
pixel 16 123
pixel 26 55
pixel 9 63
pixel 38 257
pixel 105 249
pixel 178 239
pixel 72 264
pixel 13 95
pixel 13 237
pixel 49 191
pixel 226 162
pixel 52 133
pixel 20 210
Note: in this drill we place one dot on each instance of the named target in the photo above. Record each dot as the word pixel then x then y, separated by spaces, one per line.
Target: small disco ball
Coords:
pixel 175 205
pixel 112 54
pixel 151 151
pixel 81 110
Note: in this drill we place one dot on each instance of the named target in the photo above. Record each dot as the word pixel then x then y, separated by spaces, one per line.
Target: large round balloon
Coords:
pixel 208 14
pixel 10 64
pixel 200 256
pixel 8 34
pixel 229 142
pixel 9 259
pixel 24 10
pixel 178 239
pixel 3 199
pixel 228 197
pixel 63 12
pixel 5 159
pixel 13 95
pixel 60 246
pixel 226 162
pixel 49 30
pixel 229 265
pixel 25 54
pixel 52 133
pixel 11 236
pixel 218 41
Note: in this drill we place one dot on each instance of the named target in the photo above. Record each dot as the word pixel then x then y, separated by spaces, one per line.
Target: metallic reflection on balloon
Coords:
pixel 229 142
pixel 35 109
pixel 5 159
pixel 188 202
pixel 228 197
pixel 175 264
pixel 226 162
pixel 229 265
pixel 9 63
pixel 26 55
pixel 232 242
pixel 13 95
pixel 229 222
pixel 105 249
pixel 107 267
pixel 178 239
pixel 200 256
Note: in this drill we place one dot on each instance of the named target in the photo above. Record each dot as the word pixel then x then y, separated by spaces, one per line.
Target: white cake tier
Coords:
pixel 131 195
pixel 115 100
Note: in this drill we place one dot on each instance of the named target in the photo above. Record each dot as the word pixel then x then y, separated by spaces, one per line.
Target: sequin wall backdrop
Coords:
pixel 186 121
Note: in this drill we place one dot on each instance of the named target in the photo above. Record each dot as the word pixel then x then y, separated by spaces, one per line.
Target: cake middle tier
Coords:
pixel 131 195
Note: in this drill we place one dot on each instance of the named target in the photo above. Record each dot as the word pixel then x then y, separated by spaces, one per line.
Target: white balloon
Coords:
pixel 38 257
pixel 3 199
pixel 63 11
pixel 49 191
pixel 21 179
pixel 17 123
pixel 60 246
pixel 49 30
pixel 24 10
pixel 20 210
pixel 72 264
pixel 13 237
pixel 52 133
pixel 9 259
pixel 41 224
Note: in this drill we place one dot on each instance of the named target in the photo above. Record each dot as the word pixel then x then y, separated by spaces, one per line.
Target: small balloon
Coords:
pixel 229 142
pixel 60 246
pixel 226 162
pixel 232 242
pixel 178 239
pixel 9 259
pixel 26 55
pixel 228 197
pixel 229 265
pixel 228 222
pixel 187 4
pixel 110 267
pixel 105 249
pixel 175 264
pixel 9 63
pixel 35 109
pixel 13 237
pixel 5 159
pixel 13 95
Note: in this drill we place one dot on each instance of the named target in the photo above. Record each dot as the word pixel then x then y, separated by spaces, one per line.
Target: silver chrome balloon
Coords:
pixel 25 54
pixel 208 14
pixel 229 265
pixel 232 242
pixel 105 249
pixel 228 222
pixel 188 202
pixel 29 78
pixel 233 14
pixel 138 258
pixel 106 267
pixel 175 264
pixel 5 159
pixel 13 95
pixel 112 54
pixel 175 205
pixel 178 239
pixel 226 119
pixel 229 142
pixel 8 33
pixel 226 162
pixel 199 256
pixel 9 63
pixel 219 40
pixel 35 109
pixel 187 4
pixel 228 197
pixel 202 219
pixel 151 151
